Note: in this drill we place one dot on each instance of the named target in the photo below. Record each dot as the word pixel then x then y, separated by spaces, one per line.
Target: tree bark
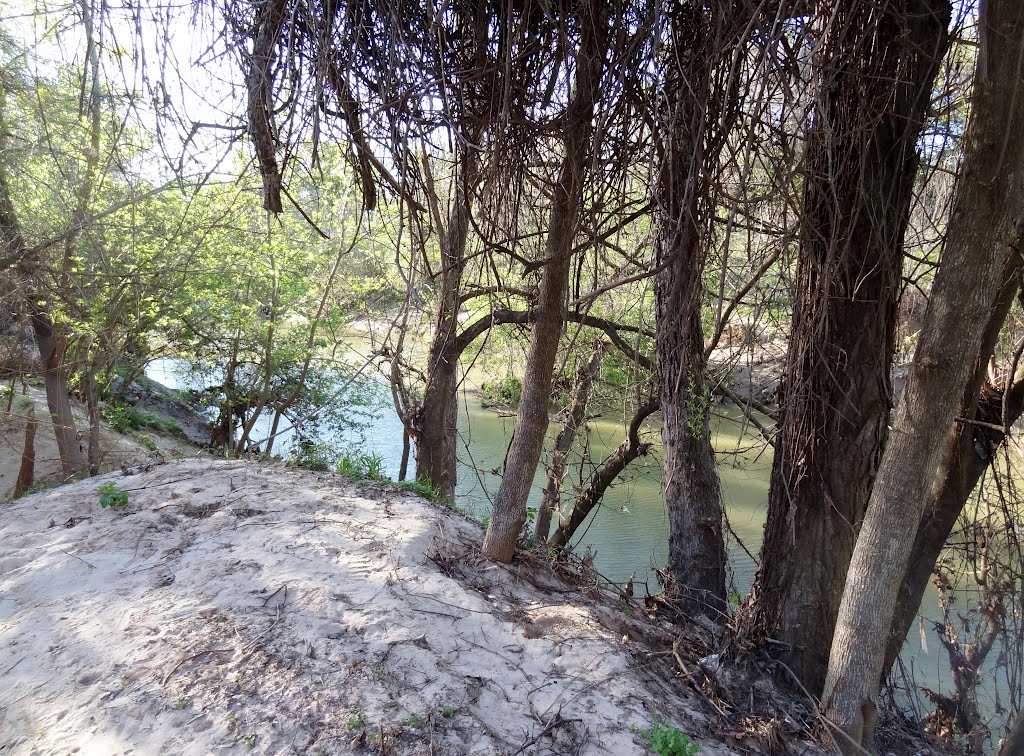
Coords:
pixel 435 424
pixel 985 219
pixel 26 471
pixel 509 513
pixel 575 416
pixel 698 111
pixel 969 452
pixel 860 164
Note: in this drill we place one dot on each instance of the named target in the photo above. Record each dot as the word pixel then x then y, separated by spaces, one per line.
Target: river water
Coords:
pixel 629 531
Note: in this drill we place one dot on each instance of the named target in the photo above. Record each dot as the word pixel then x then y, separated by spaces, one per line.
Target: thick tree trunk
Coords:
pixel 985 219
pixel 58 397
pixel 860 164
pixel 969 452
pixel 698 109
pixel 575 416
pixel 509 513
pixel 26 471
pixel 436 423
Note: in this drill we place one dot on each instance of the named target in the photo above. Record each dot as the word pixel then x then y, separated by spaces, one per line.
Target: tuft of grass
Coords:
pixel 665 739
pixel 447 711
pixel 422 489
pixel 147 440
pixel 181 701
pixel 358 466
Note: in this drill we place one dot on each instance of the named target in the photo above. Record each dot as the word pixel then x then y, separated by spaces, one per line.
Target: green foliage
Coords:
pixel 421 488
pixel 355 721
pixel 667 740
pixel 361 466
pixel 412 721
pixel 316 457
pixel 124 419
pixel 447 711
pixel 506 393
pixel 147 440
pixel 112 495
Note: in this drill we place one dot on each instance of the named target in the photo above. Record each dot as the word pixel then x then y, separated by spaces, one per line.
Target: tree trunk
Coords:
pixel 58 397
pixel 26 471
pixel 970 450
pixel 860 164
pixel 92 402
pixel 509 513
pixel 699 108
pixel 438 418
pixel 985 219
pixel 575 416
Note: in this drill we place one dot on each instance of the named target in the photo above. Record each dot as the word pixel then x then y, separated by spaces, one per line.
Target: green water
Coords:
pixel 629 531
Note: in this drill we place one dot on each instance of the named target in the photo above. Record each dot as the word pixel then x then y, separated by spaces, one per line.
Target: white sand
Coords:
pixel 238 608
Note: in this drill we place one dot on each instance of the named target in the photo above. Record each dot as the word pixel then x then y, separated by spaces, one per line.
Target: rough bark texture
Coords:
pixel 970 450
pixel 259 84
pixel 575 415
pixel 696 113
pixel 984 221
pixel 509 513
pixel 26 471
pixel 51 352
pixel 435 425
pixel 876 63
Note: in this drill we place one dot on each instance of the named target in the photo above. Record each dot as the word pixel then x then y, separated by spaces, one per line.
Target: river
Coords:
pixel 629 531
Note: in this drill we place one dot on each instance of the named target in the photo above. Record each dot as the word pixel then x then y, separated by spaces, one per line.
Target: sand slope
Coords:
pixel 239 608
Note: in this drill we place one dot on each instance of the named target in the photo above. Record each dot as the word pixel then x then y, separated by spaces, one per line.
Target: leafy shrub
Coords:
pixel 147 440
pixel 112 495
pixel 316 457
pixel 666 740
pixel 124 419
pixel 508 392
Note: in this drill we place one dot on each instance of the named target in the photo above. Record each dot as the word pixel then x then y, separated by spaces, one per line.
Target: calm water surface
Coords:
pixel 629 531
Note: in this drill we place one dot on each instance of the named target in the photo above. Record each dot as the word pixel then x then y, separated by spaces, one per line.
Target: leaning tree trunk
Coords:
pixel 969 452
pixel 509 513
pixel 985 219
pixel 575 416
pixel 589 499
pixel 860 163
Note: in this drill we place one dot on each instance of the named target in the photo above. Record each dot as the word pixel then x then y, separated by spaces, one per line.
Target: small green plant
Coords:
pixel 447 711
pixel 412 721
pixel 111 495
pixel 355 721
pixel 181 701
pixel 147 440
pixel 421 488
pixel 697 406
pixel 250 740
pixel 667 740
pixel 316 457
pixel 358 466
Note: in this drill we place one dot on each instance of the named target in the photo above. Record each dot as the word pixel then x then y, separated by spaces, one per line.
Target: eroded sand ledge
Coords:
pixel 234 607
